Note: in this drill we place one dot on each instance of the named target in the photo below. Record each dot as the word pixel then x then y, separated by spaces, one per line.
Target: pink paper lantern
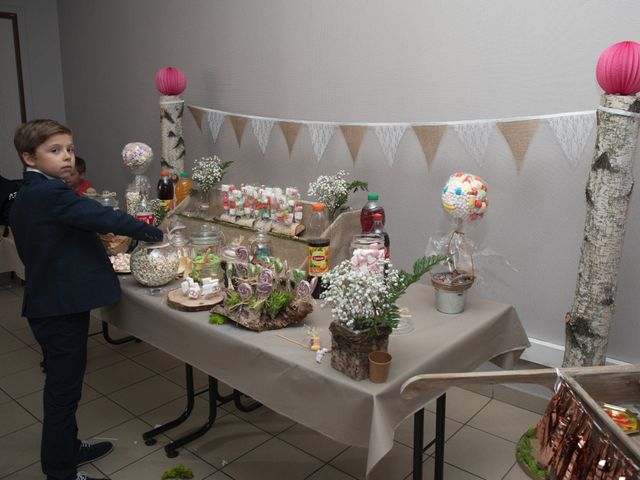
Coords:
pixel 170 81
pixel 618 69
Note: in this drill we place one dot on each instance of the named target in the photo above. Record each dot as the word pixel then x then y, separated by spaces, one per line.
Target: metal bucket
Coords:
pixel 451 290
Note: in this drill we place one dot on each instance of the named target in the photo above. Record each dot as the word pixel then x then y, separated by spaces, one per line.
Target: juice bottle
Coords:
pixel 368 211
pixel 318 246
pixel 165 191
pixel 183 187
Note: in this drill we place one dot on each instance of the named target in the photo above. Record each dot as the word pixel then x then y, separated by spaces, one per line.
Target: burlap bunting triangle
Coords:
pixel 353 135
pixel 518 135
pixel 238 124
pixel 429 137
pixel 290 131
pixel 196 113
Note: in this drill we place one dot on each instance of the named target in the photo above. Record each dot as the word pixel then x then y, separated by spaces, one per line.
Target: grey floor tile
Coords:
pixel 23 382
pixel 491 457
pixel 25 335
pixel 312 442
pixel 18 360
pixel 20 449
pixel 128 446
pixel 396 465
pixel 153 465
pixel 13 417
pixel 450 472
pixel 117 376
pixel 177 375
pixel 228 439
pixel 9 342
pixel 516 473
pixel 274 460
pixel 266 419
pixel 330 473
pixel 504 420
pixel 10 314
pixel 218 476
pixel 4 398
pixel 461 404
pixel 99 415
pixel 158 361
pixel 147 394
pixel 100 356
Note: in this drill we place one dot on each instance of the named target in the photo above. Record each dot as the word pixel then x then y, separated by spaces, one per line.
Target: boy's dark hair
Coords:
pixel 81 166
pixel 30 135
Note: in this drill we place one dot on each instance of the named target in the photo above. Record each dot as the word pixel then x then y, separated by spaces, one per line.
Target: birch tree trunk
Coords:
pixel 608 191
pixel 173 149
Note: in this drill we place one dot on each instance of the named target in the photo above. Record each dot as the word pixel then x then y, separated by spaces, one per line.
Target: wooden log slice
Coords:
pixel 176 299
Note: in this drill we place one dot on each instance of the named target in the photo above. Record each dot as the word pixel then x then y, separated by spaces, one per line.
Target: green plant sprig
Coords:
pixel 178 472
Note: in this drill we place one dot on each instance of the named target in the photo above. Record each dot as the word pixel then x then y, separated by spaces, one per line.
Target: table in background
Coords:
pixel 286 378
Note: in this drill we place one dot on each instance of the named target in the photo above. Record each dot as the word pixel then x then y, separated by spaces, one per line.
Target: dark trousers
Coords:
pixel 64 343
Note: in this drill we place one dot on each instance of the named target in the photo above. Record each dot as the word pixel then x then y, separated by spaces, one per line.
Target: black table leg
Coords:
pixel 418 440
pixel 171 449
pixel 240 406
pixel 441 406
pixel 148 437
pixel 114 341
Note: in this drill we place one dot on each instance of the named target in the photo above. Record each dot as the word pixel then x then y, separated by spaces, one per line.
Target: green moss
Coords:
pixel 277 301
pixel 525 454
pixel 177 473
pixel 216 319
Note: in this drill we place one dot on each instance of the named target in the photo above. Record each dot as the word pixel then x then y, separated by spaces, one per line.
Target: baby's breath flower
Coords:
pixel 208 171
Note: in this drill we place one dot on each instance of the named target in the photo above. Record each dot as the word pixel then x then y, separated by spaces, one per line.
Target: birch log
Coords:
pixel 608 192
pixel 173 149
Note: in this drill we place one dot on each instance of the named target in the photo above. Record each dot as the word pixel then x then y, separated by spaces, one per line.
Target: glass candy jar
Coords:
pixel 181 243
pixel 366 250
pixel 260 246
pixel 154 264
pixel 205 249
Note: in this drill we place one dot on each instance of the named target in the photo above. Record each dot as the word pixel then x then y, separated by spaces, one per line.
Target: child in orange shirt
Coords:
pixel 76 177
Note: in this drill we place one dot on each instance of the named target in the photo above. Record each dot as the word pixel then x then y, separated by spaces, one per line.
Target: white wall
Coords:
pixel 373 60
pixel 41 69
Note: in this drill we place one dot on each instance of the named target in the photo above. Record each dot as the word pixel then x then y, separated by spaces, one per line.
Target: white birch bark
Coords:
pixel 173 149
pixel 608 192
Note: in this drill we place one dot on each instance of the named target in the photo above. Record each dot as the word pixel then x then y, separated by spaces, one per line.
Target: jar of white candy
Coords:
pixel 155 264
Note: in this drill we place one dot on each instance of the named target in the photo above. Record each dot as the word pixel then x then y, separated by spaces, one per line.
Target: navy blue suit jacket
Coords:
pixel 66 267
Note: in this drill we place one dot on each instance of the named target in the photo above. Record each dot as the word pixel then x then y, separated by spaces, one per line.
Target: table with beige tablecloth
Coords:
pixel 286 378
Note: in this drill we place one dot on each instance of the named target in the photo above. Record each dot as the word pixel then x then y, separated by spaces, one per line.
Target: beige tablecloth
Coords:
pixel 286 377
pixel 9 260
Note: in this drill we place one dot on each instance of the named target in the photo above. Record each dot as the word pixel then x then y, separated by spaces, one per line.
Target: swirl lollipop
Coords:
pixel 245 290
pixel 465 196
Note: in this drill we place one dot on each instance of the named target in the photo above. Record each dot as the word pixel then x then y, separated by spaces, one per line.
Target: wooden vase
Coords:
pixel 350 350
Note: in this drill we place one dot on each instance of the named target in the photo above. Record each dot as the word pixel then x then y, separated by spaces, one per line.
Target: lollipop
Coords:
pixel 465 196
pixel 137 156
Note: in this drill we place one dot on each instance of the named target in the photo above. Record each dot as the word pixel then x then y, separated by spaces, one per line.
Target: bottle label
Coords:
pixel 318 260
pixel 166 204
pixel 145 217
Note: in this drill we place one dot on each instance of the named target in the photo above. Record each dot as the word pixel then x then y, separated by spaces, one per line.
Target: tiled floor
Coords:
pixel 133 387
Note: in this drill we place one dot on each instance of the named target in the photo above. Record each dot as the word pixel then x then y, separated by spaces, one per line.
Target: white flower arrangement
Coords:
pixel 333 190
pixel 209 171
pixel 365 299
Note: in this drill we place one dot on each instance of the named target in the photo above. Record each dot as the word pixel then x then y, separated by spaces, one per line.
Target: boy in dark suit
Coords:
pixel 67 274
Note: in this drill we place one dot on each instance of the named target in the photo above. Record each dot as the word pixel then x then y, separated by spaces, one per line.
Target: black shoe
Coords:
pixel 89 453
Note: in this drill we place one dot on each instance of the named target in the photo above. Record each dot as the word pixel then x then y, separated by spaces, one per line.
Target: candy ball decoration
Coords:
pixel 618 69
pixel 170 81
pixel 137 156
pixel 465 196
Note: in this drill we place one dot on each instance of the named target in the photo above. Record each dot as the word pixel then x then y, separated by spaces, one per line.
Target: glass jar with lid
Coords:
pixel 154 264
pixel 204 252
pixel 366 250
pixel 180 241
pixel 260 246
pixel 108 199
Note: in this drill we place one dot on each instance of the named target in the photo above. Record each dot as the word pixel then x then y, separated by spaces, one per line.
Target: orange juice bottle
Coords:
pixel 183 187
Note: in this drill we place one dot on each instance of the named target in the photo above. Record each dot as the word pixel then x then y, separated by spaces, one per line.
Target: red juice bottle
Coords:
pixel 371 208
